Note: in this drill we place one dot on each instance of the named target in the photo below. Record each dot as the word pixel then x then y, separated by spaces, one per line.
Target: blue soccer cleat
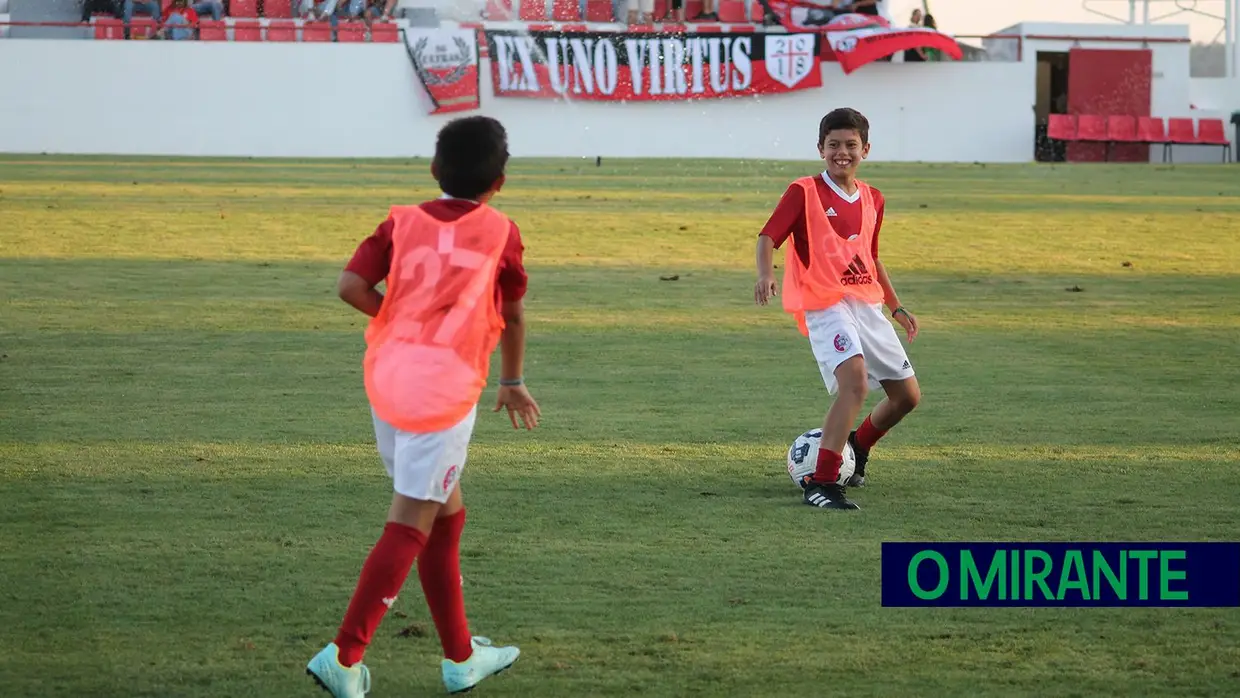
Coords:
pixel 338 680
pixel 485 661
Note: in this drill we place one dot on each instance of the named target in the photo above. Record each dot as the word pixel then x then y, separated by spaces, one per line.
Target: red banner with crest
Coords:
pixel 854 39
pixel 446 63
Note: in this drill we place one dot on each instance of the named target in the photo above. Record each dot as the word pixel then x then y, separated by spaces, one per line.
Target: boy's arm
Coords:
pixel 765 289
pixel 905 319
pixel 513 394
pixel 512 342
pixel 359 293
pixel 890 299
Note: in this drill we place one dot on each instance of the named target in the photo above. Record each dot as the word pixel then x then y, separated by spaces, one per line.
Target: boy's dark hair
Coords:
pixel 470 156
pixel 844 119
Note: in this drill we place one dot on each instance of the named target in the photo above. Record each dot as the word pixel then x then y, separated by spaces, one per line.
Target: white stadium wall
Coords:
pixel 361 100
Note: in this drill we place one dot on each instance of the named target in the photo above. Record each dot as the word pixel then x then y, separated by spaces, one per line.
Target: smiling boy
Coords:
pixel 835 285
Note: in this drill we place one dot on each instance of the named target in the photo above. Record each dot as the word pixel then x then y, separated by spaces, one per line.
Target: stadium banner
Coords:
pixel 1201 575
pixel 855 40
pixel 446 63
pixel 649 67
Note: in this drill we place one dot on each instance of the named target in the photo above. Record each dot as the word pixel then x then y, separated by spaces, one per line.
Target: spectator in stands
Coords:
pixel 215 8
pixel 641 11
pixel 380 10
pixel 348 9
pixel 314 9
pixel 617 9
pixel 914 55
pixel 708 14
pixel 92 7
pixel 862 7
pixel 932 54
pixel 825 11
pixel 148 7
pixel 675 11
pixel 181 22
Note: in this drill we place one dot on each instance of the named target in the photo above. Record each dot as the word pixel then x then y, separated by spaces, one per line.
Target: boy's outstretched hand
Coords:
pixel 518 401
pixel 764 290
pixel 909 323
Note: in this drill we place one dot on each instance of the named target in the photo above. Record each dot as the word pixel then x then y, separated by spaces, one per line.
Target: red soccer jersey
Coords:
pixel 788 218
pixel 373 258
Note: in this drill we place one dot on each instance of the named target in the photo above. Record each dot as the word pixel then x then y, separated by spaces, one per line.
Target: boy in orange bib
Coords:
pixel 835 286
pixel 455 285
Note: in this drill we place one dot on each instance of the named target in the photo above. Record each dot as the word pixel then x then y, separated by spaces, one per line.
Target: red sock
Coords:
pixel 382 576
pixel 439 568
pixel 868 435
pixel 828 468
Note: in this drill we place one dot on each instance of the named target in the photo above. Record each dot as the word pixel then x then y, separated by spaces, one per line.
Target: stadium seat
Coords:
pixel 108 28
pixel 1092 128
pixel 598 11
pixel 247 30
pixel 732 12
pixel 351 33
pixel 693 8
pixel 278 9
pixel 661 10
pixel 384 33
pixel 565 11
pixel 1151 129
pixel 316 32
pixel 211 30
pixel 756 13
pixel 1180 131
pixel 1213 132
pixel 532 10
pixel 141 28
pixel 1122 129
pixel 281 30
pixel 499 10
pixel 243 8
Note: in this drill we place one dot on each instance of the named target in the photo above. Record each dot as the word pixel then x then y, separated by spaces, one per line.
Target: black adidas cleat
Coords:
pixel 827 496
pixel 857 479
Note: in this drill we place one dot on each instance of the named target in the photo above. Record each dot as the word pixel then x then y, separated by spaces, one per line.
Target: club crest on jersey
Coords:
pixel 450 478
pixel 857 274
pixel 842 343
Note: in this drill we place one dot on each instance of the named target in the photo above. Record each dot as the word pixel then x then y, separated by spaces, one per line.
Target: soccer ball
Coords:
pixel 803 458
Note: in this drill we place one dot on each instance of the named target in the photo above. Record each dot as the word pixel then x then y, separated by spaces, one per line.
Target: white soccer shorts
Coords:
pixel 424 466
pixel 853 327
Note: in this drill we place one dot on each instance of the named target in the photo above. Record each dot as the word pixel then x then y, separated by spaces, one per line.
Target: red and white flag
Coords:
pixel 856 39
pixel 446 62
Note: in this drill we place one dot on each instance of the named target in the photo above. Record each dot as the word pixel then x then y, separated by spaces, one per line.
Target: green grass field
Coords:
pixel 188 483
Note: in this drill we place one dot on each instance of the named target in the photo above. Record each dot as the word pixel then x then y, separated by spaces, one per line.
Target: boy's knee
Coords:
pixel 910 400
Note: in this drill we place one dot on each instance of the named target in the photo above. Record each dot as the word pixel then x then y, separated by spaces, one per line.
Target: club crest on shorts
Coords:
pixel 449 479
pixel 842 343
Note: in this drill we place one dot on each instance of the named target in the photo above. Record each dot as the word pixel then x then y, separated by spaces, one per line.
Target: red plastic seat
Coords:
pixel 316 32
pixel 565 11
pixel 532 10
pixel 660 10
pixel 211 30
pixel 1091 128
pixel 499 10
pixel 278 9
pixel 732 11
pixel 142 28
pixel 599 11
pixel 693 8
pixel 247 30
pixel 1212 132
pixel 1122 129
pixel 1151 129
pixel 1181 130
pixel 351 33
pixel 109 28
pixel 243 8
pixel 281 30
pixel 384 33
pixel 1061 127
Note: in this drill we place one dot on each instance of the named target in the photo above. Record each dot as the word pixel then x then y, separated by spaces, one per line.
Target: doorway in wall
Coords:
pixel 1052 98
